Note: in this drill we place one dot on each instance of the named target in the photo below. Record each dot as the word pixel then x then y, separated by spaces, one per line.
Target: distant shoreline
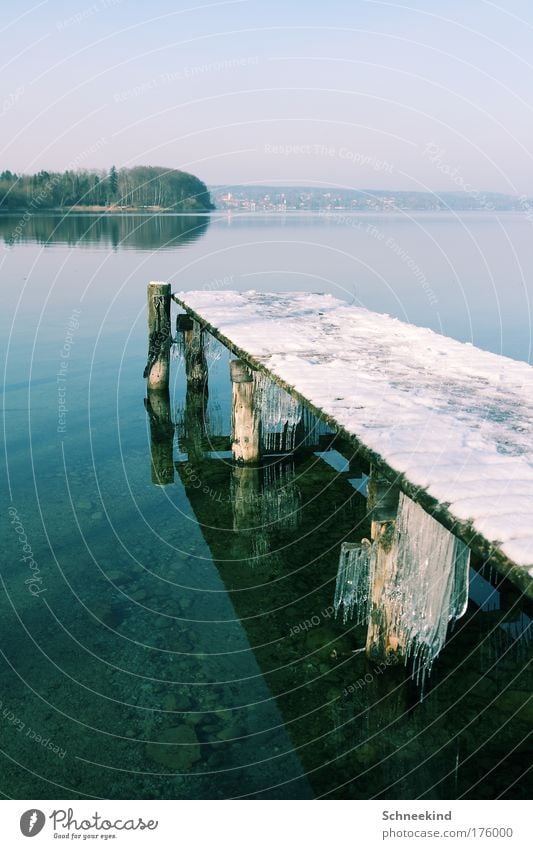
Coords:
pixel 321 213
pixel 107 210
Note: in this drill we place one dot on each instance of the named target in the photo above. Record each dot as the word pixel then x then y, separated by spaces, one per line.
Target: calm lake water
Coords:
pixel 153 644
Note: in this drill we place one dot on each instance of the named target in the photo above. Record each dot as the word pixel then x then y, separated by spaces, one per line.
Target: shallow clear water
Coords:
pixel 145 615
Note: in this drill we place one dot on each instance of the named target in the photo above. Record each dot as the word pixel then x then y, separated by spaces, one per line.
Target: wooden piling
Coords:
pixel 383 643
pixel 194 353
pixel 159 336
pixel 157 405
pixel 245 419
pixel 194 438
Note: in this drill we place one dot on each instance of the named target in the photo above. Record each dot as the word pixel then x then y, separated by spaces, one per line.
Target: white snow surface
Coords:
pixel 452 418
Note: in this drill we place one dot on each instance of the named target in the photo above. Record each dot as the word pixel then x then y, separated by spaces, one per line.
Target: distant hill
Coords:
pixel 142 187
pixel 291 198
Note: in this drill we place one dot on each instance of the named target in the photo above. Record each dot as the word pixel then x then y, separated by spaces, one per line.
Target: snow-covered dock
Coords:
pixel 452 422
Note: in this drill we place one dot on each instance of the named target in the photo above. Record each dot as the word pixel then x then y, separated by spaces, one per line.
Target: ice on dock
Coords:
pixel 456 421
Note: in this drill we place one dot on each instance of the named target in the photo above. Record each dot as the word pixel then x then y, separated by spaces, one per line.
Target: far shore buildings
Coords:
pixel 298 198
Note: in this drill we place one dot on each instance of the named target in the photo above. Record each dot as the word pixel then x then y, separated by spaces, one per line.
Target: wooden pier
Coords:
pixel 450 423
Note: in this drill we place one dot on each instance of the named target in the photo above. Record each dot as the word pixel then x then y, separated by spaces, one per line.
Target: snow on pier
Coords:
pixel 453 421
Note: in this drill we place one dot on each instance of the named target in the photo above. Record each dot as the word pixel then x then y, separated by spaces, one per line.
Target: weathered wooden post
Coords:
pixel 382 641
pixel 157 406
pixel 245 419
pixel 193 350
pixel 194 435
pixel 159 337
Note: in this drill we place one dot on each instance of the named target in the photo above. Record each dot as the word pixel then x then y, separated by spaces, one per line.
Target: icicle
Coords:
pixel 314 428
pixel 280 498
pixel 431 584
pixel 353 581
pixel 459 600
pixel 279 413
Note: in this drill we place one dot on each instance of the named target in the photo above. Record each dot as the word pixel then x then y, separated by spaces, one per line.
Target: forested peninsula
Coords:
pixel 116 190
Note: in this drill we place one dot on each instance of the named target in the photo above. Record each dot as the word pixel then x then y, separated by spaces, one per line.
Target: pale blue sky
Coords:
pixel 415 95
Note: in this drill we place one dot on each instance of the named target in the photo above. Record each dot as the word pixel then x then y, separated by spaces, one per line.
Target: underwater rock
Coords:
pixel 84 504
pixel 139 595
pixel 180 756
pixel 115 576
pixel 223 714
pixel 108 614
pixel 169 702
pixel 193 719
pixel 230 732
pixel 209 729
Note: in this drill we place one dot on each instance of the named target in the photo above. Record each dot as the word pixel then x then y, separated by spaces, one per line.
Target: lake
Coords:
pixel 155 643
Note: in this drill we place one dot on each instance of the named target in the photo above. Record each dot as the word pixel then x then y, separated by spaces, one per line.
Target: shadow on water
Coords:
pixel 140 232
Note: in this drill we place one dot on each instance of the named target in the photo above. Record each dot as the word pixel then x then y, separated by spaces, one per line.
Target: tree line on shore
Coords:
pixel 140 187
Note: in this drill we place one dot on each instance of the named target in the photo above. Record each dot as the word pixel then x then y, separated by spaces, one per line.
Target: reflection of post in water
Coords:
pixel 246 498
pixel 382 639
pixel 157 406
pixel 245 417
pixel 194 421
